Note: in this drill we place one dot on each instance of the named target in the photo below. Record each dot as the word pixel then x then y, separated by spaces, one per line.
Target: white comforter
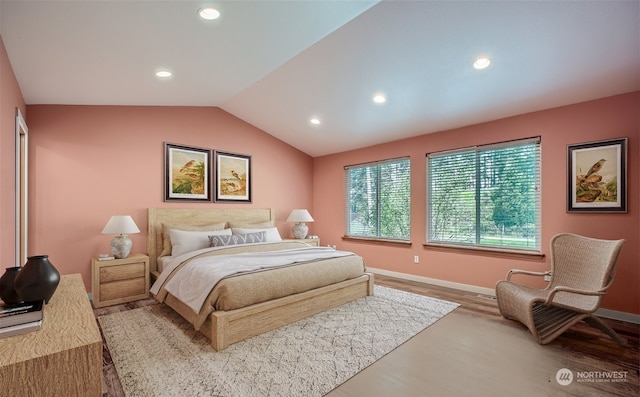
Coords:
pixel 193 282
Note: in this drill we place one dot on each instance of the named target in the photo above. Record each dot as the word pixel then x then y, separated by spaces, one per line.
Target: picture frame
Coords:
pixel 597 176
pixel 233 177
pixel 187 173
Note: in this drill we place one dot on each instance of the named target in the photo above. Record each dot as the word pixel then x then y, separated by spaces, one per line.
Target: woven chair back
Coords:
pixel 583 263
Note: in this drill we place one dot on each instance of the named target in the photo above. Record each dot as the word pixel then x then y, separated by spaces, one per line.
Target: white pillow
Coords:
pixel 166 240
pixel 186 241
pixel 272 233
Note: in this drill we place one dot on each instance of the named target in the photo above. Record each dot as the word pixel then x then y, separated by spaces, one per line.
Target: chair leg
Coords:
pixel 602 326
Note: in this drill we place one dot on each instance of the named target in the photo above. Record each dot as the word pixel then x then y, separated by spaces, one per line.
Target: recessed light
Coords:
pixel 315 121
pixel 482 62
pixel 379 98
pixel 209 13
pixel 164 74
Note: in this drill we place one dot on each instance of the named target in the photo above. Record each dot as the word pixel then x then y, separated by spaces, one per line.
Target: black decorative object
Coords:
pixel 37 280
pixel 8 292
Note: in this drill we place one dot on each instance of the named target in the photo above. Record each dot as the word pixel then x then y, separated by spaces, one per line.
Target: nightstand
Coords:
pixel 119 280
pixel 311 241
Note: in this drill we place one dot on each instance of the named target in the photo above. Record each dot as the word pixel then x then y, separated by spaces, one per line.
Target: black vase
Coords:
pixel 8 292
pixel 37 280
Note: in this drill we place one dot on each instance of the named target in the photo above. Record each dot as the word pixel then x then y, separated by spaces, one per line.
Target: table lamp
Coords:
pixel 121 225
pixel 300 216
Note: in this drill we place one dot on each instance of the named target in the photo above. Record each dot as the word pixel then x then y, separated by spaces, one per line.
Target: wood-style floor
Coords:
pixel 473 351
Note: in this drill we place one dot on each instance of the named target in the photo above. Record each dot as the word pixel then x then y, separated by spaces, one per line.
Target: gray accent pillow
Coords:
pixel 235 239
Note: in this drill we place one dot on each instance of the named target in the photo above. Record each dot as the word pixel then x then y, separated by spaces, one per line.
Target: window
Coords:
pixel 486 196
pixel 378 200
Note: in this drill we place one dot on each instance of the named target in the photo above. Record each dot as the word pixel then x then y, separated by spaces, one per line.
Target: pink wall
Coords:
pixel 607 118
pixel 91 162
pixel 10 99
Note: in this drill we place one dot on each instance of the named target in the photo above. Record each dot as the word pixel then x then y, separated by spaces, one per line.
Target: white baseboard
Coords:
pixel 606 313
pixel 621 316
pixel 434 281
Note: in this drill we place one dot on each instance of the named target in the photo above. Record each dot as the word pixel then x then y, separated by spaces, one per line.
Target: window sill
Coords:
pixel 485 251
pixel 378 240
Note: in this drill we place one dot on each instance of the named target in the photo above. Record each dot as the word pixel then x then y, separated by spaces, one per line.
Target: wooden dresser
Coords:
pixel 64 358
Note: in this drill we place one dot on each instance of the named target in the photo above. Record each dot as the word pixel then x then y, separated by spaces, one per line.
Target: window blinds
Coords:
pixel 378 197
pixel 485 196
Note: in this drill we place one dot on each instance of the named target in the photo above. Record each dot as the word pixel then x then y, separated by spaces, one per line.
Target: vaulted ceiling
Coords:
pixel 277 64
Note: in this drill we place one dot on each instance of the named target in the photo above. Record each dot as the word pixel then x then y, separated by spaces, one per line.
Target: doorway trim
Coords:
pixel 22 185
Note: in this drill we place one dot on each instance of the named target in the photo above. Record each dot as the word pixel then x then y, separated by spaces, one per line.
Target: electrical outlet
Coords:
pixel 416 259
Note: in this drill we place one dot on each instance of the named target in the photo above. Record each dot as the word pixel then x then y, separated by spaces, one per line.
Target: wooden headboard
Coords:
pixel 158 216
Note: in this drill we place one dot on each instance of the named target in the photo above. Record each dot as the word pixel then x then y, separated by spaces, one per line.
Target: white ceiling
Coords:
pixel 275 64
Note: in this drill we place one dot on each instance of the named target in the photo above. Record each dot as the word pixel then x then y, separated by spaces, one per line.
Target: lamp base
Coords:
pixel 300 230
pixel 121 246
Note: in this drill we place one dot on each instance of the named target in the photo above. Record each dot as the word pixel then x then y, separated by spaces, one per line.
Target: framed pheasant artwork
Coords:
pixel 597 177
pixel 233 177
pixel 187 173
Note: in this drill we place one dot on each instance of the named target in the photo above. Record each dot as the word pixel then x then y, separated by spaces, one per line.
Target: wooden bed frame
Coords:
pixel 224 328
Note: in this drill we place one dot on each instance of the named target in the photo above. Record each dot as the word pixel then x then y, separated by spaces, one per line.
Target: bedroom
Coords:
pixel 89 162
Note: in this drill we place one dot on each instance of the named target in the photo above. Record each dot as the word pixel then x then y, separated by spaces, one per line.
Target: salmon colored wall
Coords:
pixel 90 162
pixel 607 118
pixel 10 99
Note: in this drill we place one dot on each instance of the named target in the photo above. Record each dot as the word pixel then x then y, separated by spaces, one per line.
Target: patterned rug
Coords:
pixel 157 353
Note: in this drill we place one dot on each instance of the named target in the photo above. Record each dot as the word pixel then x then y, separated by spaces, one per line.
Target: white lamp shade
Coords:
pixel 120 224
pixel 300 216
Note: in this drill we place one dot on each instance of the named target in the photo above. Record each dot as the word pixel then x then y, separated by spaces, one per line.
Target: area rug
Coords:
pixel 157 353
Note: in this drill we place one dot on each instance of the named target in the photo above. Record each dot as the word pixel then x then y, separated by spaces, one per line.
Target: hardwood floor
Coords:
pixel 473 351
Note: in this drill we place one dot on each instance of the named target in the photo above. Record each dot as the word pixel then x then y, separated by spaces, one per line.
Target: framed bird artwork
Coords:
pixel 187 173
pixel 233 177
pixel 597 176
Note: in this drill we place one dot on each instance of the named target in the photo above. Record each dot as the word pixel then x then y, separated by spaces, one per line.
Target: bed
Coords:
pixel 246 305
